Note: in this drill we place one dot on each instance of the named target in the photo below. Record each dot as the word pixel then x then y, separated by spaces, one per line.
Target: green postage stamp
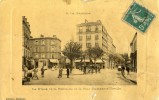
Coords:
pixel 139 17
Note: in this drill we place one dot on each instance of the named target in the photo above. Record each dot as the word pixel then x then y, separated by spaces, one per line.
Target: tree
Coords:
pixel 118 58
pixel 95 52
pixel 126 57
pixel 72 51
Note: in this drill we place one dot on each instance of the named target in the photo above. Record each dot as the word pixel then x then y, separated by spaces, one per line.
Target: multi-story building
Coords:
pixel 91 34
pixel 133 55
pixel 26 37
pixel 45 50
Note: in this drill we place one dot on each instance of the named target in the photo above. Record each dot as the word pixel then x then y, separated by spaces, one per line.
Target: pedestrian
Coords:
pixel 99 69
pixel 68 72
pixel 92 68
pixel 84 69
pixel 127 69
pixel 103 67
pixel 42 71
pixel 35 71
pixel 60 73
pixel 123 69
pixel 96 68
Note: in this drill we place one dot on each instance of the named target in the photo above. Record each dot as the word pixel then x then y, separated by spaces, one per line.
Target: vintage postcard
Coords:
pixel 81 49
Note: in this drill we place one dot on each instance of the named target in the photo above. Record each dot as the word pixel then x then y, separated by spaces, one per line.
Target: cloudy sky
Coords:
pixel 49 18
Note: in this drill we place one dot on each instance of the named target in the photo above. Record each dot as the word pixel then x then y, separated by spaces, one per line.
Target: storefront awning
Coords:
pixel 54 60
pixel 78 60
pixel 99 61
pixel 87 60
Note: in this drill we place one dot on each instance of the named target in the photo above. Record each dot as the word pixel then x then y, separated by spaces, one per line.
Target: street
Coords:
pixel 105 77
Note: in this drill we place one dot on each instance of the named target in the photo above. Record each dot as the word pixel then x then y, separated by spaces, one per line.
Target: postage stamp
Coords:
pixel 139 17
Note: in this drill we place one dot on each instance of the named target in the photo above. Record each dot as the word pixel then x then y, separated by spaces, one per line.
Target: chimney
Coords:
pixel 54 36
pixel 41 35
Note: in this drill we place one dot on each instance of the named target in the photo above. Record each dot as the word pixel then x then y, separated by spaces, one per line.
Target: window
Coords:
pixel 42 42
pixel 96 29
pixel 80 29
pixel 96 44
pixel 36 42
pixel 36 55
pixel 88 37
pixel 42 48
pixel 96 37
pixel 52 48
pixel 42 55
pixel 88 45
pixel 52 56
pixel 88 28
pixel 36 49
pixel 52 42
pixel 80 38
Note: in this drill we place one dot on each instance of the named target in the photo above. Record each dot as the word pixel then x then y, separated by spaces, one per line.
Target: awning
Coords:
pixel 54 60
pixel 128 62
pixel 105 61
pixel 99 61
pixel 77 60
pixel 87 60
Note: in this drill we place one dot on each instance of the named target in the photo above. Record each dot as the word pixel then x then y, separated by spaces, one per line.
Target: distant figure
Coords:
pixel 84 69
pixel 127 69
pixel 68 72
pixel 60 72
pixel 99 69
pixel 35 71
pixel 92 68
pixel 42 71
pixel 103 67
pixel 123 69
pixel 96 68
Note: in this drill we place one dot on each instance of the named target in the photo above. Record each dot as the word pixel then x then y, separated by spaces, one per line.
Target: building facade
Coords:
pixel 133 55
pixel 91 34
pixel 45 50
pixel 26 33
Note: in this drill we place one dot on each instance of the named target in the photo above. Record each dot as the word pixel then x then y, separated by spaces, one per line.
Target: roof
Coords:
pixel 45 38
pixel 98 22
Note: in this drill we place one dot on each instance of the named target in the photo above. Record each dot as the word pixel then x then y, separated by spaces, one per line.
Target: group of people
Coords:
pixel 123 68
pixel 61 70
pixel 33 73
pixel 91 68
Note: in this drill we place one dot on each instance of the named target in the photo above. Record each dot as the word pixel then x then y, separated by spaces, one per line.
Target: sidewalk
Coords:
pixel 132 77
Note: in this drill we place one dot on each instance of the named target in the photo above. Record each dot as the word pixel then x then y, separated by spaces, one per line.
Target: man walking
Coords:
pixel 60 73
pixel 127 69
pixel 42 71
pixel 68 72
pixel 123 69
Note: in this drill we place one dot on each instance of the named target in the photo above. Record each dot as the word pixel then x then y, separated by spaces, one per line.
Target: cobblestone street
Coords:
pixel 106 77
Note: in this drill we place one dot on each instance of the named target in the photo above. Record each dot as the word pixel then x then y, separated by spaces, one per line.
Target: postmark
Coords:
pixel 138 17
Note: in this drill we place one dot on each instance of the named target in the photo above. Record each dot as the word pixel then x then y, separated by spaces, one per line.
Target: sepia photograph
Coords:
pixel 90 55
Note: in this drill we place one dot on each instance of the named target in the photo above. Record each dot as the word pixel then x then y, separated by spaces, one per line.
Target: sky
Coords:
pixel 49 18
